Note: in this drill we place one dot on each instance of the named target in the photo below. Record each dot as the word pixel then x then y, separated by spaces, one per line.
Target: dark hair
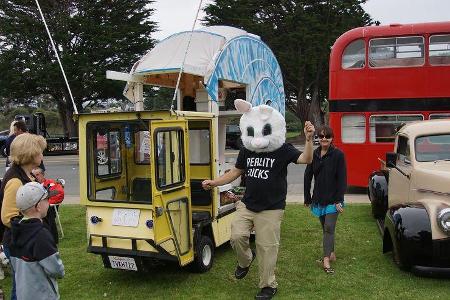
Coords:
pixel 21 126
pixel 326 130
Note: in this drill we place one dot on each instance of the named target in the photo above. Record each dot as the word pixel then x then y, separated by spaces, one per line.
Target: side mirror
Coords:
pixel 391 159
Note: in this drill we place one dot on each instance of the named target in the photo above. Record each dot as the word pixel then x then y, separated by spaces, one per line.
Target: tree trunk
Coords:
pixel 61 111
pixel 315 113
pixel 71 126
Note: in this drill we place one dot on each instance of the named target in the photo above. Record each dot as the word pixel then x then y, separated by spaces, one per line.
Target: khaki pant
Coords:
pixel 267 229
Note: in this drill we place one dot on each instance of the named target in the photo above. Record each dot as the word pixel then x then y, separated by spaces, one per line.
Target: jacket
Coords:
pixel 35 260
pixel 13 179
pixel 330 178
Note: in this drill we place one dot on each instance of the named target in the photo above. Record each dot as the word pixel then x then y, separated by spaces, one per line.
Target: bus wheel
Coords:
pixel 204 255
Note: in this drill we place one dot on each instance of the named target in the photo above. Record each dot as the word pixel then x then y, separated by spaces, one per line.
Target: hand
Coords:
pixel 308 129
pixel 339 208
pixel 208 184
pixel 306 204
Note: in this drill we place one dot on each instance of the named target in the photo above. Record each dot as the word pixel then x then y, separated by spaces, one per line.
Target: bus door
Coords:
pixel 171 188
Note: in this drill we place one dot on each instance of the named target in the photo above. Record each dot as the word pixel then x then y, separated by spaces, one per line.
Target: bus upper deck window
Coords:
pixel 353 129
pixel 354 55
pixel 396 52
pixel 440 50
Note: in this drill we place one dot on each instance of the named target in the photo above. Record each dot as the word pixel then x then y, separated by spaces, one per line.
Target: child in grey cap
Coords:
pixel 34 256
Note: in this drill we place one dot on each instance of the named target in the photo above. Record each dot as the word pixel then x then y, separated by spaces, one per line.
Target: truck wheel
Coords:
pixel 204 255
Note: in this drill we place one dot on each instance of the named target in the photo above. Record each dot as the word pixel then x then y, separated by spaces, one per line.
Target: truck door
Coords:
pixel 171 187
pixel 399 184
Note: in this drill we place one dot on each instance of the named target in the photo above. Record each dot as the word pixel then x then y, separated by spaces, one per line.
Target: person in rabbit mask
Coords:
pixel 264 160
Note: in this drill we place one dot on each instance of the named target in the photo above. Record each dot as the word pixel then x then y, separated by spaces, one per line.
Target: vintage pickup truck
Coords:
pixel 410 198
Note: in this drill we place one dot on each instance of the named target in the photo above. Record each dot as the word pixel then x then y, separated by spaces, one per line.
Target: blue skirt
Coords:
pixel 319 210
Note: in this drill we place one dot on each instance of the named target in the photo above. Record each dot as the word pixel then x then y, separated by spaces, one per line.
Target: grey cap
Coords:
pixel 30 194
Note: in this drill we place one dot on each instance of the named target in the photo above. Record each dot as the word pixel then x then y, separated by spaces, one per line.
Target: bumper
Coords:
pixel 431 271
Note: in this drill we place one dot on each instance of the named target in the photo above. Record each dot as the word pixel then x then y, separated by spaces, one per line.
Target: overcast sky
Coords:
pixel 178 15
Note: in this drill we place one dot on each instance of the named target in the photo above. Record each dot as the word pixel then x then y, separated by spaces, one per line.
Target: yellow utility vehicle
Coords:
pixel 141 171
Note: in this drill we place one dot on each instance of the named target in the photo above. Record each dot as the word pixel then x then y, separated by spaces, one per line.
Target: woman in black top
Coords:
pixel 329 171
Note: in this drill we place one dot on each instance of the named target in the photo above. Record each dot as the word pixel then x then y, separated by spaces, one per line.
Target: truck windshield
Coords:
pixel 433 147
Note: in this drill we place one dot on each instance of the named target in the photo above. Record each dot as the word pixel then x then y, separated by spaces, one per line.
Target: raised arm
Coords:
pixel 228 177
pixel 307 155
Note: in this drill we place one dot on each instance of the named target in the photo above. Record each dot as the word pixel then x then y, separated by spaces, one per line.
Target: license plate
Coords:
pixel 124 263
pixel 126 217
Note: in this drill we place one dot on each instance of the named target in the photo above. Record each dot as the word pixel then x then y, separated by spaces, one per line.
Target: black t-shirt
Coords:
pixel 266 177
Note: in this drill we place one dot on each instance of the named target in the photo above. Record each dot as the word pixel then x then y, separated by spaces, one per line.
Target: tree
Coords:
pixel 91 36
pixel 300 33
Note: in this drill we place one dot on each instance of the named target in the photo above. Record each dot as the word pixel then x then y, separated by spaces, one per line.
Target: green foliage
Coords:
pixel 158 98
pixel 293 123
pixel 52 120
pixel 300 33
pixel 362 271
pixel 91 36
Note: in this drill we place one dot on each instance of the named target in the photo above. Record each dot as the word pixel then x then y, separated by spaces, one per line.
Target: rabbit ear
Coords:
pixel 265 111
pixel 242 106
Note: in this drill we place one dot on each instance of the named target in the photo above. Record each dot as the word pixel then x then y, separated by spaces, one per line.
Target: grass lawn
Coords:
pixel 362 271
pixel 292 134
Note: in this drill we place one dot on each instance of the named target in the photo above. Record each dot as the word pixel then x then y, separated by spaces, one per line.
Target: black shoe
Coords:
pixel 266 293
pixel 241 272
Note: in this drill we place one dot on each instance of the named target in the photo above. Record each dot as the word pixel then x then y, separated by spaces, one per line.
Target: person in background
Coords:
pixel 26 154
pixel 34 256
pixel 18 127
pixel 329 171
pixel 55 200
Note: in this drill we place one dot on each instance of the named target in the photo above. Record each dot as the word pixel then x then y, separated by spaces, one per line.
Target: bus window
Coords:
pixel 440 50
pixel 396 52
pixel 439 116
pixel 354 55
pixel 199 141
pixel 382 128
pixel 142 149
pixel 108 153
pixel 169 158
pixel 353 129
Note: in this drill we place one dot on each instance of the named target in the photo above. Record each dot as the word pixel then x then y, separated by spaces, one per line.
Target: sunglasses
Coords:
pixel 327 136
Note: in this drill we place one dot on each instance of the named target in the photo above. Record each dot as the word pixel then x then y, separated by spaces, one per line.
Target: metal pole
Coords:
pixel 57 57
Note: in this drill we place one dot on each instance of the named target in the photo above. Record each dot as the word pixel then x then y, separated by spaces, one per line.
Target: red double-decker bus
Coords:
pixel 380 78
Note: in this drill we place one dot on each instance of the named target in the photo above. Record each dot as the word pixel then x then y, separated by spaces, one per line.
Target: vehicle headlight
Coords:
pixel 443 219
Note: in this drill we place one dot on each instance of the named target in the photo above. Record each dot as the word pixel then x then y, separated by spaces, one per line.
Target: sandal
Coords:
pixel 329 271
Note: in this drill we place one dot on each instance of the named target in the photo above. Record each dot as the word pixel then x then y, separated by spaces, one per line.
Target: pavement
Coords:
pixel 291 198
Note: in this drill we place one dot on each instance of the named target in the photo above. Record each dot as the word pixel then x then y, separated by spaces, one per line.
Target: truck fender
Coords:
pixel 408 234
pixel 378 193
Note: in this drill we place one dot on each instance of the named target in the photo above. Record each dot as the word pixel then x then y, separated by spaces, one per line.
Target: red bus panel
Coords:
pixel 386 84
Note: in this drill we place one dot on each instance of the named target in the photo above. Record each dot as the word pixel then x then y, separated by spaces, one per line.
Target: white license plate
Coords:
pixel 124 263
pixel 126 217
